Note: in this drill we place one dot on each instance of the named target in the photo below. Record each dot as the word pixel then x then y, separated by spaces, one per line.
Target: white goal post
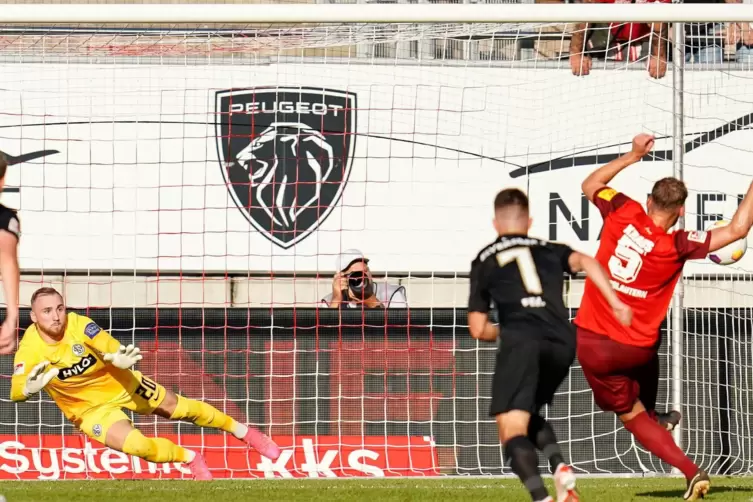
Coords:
pixel 144 143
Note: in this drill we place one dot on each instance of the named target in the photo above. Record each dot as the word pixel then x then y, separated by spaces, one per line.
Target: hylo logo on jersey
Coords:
pixel 92 329
pixel 78 349
pixel 285 154
pixel 19 369
pixel 77 369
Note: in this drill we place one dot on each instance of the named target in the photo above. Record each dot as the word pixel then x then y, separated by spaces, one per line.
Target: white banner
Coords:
pixel 144 167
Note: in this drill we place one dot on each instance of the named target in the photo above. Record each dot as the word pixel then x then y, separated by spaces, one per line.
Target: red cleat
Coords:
pixel 199 469
pixel 261 443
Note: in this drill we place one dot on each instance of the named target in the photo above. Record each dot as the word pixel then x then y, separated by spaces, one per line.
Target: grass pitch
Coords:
pixel 397 490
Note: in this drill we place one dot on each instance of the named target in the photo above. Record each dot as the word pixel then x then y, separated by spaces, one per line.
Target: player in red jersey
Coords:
pixel 644 260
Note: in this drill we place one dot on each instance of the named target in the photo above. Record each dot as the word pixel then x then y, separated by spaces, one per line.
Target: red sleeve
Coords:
pixel 692 245
pixel 608 200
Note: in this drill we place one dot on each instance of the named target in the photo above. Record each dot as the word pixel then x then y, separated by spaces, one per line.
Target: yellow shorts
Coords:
pixel 144 400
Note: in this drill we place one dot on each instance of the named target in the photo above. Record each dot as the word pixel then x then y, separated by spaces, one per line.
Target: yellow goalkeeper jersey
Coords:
pixel 85 380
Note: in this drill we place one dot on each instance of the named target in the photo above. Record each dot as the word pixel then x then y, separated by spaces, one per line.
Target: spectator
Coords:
pixel 354 287
pixel 743 39
pixel 629 35
pixel 704 42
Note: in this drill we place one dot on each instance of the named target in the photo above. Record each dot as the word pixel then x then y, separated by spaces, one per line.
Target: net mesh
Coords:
pixel 131 145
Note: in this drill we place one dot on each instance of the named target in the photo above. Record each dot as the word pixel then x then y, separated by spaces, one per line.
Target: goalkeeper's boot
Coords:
pixel 698 487
pixel 564 484
pixel 199 469
pixel 669 420
pixel 261 443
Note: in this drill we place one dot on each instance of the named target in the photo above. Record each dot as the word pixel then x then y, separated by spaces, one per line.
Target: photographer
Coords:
pixel 353 286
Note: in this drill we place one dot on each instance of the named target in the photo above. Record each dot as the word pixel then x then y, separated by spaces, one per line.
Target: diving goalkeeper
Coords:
pixel 87 373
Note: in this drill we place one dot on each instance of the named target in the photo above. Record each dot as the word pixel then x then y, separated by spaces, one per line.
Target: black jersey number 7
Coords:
pixel 526 266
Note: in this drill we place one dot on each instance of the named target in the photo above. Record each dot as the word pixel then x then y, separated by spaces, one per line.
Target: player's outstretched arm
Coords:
pixel 11 276
pixel 111 349
pixel 124 357
pixel 581 263
pixel 36 380
pixel 738 228
pixel 642 144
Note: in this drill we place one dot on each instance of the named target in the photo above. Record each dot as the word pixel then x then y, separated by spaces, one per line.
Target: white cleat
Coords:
pixel 564 483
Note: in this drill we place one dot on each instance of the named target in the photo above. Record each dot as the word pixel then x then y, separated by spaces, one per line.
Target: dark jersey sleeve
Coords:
pixel 9 221
pixel 608 199
pixel 563 252
pixel 480 299
pixel 692 245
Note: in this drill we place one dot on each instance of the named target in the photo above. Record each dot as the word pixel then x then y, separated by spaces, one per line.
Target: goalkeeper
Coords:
pixel 87 373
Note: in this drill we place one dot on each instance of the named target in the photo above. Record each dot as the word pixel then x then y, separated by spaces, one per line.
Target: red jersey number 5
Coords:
pixel 626 262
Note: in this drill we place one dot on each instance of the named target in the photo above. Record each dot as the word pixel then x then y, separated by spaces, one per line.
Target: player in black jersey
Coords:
pixel 10 231
pixel 524 277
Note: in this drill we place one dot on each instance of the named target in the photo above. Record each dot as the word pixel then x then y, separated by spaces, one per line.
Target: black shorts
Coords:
pixel 528 373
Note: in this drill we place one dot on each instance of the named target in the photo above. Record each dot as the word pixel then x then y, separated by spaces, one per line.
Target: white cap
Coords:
pixel 347 257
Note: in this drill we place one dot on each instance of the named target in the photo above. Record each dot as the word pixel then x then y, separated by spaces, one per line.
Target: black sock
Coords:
pixel 541 434
pixel 525 464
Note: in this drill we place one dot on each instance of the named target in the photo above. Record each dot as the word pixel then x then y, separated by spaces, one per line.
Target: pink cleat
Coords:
pixel 261 443
pixel 564 483
pixel 199 469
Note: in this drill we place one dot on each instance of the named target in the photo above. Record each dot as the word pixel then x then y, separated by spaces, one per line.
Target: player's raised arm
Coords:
pixel 478 307
pixel 579 262
pixel 738 228
pixel 642 144
pixel 11 277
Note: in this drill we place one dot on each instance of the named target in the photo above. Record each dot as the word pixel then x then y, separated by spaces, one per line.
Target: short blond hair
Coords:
pixel 46 291
pixel 669 194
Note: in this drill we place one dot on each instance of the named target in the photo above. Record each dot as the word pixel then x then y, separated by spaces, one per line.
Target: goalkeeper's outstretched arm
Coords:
pixel 30 375
pixel 111 349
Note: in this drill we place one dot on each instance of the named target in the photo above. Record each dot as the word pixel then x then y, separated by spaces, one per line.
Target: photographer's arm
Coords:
pixel 339 282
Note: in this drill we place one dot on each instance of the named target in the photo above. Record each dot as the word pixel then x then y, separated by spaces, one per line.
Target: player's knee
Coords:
pixel 513 423
pixel 630 411
pixel 138 445
pixel 167 407
pixel 539 431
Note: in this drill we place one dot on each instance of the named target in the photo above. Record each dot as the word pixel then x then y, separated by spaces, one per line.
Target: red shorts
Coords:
pixel 618 374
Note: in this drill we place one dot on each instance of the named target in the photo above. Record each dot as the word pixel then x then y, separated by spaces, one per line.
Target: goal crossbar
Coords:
pixel 371 13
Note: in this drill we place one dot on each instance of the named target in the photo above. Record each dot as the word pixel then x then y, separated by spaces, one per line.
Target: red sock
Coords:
pixel 659 441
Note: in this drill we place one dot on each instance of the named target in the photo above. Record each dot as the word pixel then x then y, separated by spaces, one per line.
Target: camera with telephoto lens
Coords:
pixel 359 285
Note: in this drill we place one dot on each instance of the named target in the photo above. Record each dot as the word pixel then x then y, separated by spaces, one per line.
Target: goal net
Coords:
pixel 191 186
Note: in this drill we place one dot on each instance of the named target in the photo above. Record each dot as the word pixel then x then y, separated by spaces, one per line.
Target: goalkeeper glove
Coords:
pixel 38 378
pixel 125 357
